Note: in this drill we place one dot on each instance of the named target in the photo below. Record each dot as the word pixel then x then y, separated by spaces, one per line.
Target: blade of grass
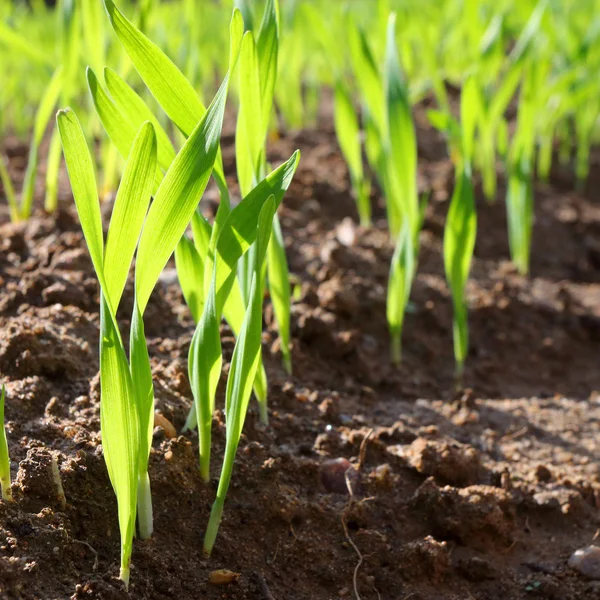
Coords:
pixel 4 455
pixel 244 364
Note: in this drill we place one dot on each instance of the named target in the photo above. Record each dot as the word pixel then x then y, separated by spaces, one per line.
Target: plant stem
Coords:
pixel 4 456
pixel 287 362
pixel 213 524
pixel 144 506
pixel 217 508
pixel 263 412
pixel 6 489
pixel 204 434
pixel 124 576
pixel 396 348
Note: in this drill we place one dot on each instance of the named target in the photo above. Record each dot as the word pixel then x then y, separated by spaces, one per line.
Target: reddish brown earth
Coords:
pixel 481 494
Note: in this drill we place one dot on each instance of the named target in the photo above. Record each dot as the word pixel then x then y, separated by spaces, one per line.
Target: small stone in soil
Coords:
pixel 586 561
pixel 336 474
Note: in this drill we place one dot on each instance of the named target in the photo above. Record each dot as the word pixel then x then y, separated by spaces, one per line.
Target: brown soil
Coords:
pixel 482 494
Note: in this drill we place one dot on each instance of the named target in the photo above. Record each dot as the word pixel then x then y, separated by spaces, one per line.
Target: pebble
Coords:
pixel 586 561
pixel 334 473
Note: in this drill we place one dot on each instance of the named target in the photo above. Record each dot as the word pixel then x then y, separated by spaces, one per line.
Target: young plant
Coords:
pixel 390 139
pixel 182 105
pixel 257 77
pixel 4 456
pixel 399 160
pixel 520 165
pixel 244 364
pixel 120 410
pixel 461 228
pixel 44 112
pixel 402 273
pixel 347 129
pixel 9 192
pixel 231 238
pixel 174 204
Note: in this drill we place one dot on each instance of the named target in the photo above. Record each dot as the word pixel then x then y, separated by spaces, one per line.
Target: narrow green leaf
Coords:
pixel 239 230
pixel 43 114
pixel 143 388
pixel 136 111
pixel 244 364
pixel 120 429
pixel 459 243
pixel 347 130
pixel 249 135
pixel 402 272
pixel 267 49
pixel 167 83
pixel 9 192
pixel 231 240
pixel 83 183
pixel 280 290
pixel 470 113
pixel 178 196
pixel 4 455
pixel 402 172
pixel 129 212
pixel 94 33
pixel 190 272
pixel 367 74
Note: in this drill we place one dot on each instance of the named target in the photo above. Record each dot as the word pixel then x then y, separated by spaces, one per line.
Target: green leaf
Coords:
pixel 178 196
pixel 120 429
pixel 249 133
pixel 402 171
pixel 231 240
pixel 83 183
pixel 119 129
pixel 529 32
pixel 42 116
pixel 4 455
pixel 136 111
pixel 244 365
pixel 267 49
pixel 9 192
pixel 190 271
pixel 239 230
pixel 402 272
pixel 347 130
pixel 141 377
pixel 280 291
pixel 367 74
pixel 129 212
pixel 459 243
pixel 471 104
pixel 167 83
pixel 202 232
pixel 94 32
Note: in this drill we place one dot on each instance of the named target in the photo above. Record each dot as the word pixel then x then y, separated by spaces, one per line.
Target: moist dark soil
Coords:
pixel 371 481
